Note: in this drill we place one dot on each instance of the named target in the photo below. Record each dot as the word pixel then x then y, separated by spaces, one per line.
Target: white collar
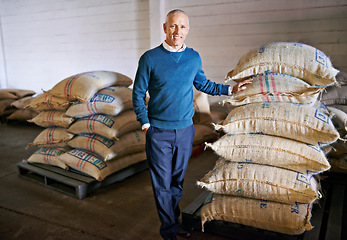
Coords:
pixel 171 49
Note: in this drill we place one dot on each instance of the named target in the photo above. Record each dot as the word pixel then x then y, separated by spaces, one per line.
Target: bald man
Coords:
pixel 169 72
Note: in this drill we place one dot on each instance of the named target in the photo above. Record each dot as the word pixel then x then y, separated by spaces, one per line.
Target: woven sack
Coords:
pixel 260 182
pixel 340 107
pixel 202 113
pixel 52 118
pixel 52 137
pixel 83 86
pixel 22 115
pixel 49 156
pixel 5 94
pixel 23 102
pixel 341 78
pixel 339 163
pixel 109 101
pixel 294 59
pixel 339 119
pixel 107 126
pixel 272 216
pixel 15 93
pixel 97 168
pixel 203 134
pixel 335 95
pixel 339 148
pixel 272 151
pixel 275 87
pixel 5 104
pixel 298 122
pixel 45 102
pixel 107 148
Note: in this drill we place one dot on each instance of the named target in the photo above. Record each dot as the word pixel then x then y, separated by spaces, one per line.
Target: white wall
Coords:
pixel 224 30
pixel 47 40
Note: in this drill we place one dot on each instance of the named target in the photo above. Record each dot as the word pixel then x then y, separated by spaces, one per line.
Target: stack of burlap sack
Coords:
pixel 271 152
pixel 202 119
pixel 13 102
pixel 90 125
pixel 335 98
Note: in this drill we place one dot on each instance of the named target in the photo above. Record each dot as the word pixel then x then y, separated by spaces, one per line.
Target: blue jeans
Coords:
pixel 168 152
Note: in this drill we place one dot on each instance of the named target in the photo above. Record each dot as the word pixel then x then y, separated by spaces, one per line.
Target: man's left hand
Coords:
pixel 242 85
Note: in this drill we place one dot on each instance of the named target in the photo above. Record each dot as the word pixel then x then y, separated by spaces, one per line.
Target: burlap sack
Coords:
pixel 339 148
pixel 52 137
pixel 203 134
pixel 275 87
pixel 83 86
pixel 109 101
pixel 341 78
pixel 108 149
pixel 272 216
pixel 339 119
pixel 335 95
pixel 294 59
pixel 107 126
pixel 5 94
pixel 95 167
pixel 202 113
pixel 52 118
pixel 23 102
pixel 15 93
pixel 260 182
pixel 298 122
pixel 339 164
pixel 22 115
pixel 340 107
pixel 5 104
pixel 321 107
pixel 45 102
pixel 49 156
pixel 272 151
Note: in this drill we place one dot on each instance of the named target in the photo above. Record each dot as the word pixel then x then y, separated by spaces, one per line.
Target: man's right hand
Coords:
pixel 145 130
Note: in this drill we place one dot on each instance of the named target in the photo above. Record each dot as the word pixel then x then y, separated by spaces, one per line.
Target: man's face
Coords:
pixel 176 29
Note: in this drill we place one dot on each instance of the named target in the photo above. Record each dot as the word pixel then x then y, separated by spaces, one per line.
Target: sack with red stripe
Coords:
pixel 52 137
pixel 83 86
pixel 92 165
pixel 276 87
pixel 295 59
pixel 109 101
pixel 302 123
pixel 107 148
pixel 107 126
pixel 45 101
pixel 52 118
pixel 49 156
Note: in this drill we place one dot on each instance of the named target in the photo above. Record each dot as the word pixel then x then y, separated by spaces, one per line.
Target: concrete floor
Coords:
pixel 124 210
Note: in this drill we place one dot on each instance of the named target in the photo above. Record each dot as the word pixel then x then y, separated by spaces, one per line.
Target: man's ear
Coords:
pixel 164 27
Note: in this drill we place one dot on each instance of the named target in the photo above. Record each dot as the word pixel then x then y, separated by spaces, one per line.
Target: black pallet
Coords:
pixel 73 183
pixel 329 217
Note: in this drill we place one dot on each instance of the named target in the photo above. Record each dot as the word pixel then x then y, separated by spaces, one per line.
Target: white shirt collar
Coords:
pixel 171 49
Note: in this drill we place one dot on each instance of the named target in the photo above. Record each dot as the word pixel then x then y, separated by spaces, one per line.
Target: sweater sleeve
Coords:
pixel 140 88
pixel 202 84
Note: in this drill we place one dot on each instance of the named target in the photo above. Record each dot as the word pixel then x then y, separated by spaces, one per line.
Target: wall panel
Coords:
pixel 45 41
pixel 223 31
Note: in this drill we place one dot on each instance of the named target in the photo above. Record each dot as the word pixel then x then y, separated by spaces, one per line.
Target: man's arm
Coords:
pixel 139 90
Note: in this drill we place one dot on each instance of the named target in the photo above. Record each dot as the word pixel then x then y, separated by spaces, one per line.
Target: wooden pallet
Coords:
pixel 71 182
pixel 329 217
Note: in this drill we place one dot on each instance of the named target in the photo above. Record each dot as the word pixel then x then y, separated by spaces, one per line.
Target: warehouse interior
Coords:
pixel 45 42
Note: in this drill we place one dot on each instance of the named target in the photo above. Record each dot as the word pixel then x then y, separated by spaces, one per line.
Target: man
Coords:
pixel 169 72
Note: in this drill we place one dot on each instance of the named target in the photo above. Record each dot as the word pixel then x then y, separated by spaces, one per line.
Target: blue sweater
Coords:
pixel 169 77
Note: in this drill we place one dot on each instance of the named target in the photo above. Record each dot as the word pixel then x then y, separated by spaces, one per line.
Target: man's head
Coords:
pixel 176 28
